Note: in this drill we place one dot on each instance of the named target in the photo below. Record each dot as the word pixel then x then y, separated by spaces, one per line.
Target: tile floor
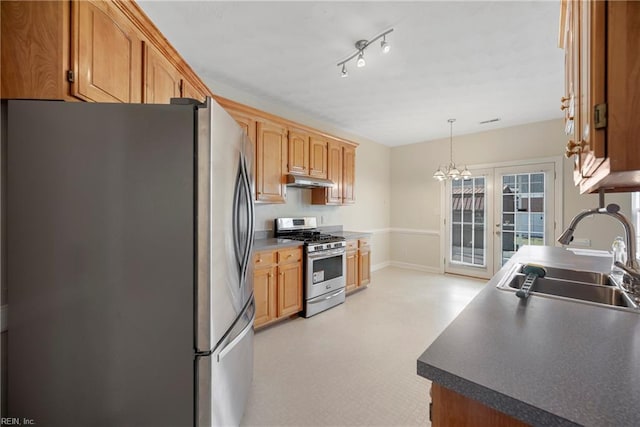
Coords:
pixel 355 364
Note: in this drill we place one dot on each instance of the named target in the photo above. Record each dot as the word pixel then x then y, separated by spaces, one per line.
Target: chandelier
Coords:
pixel 451 171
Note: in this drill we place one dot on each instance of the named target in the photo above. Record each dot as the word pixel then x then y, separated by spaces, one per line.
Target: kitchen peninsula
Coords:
pixel 543 360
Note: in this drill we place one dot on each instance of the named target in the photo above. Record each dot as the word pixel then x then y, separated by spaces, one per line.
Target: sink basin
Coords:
pixel 599 294
pixel 574 275
pixel 573 285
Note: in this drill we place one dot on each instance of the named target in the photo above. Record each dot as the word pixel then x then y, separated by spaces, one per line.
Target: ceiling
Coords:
pixel 470 60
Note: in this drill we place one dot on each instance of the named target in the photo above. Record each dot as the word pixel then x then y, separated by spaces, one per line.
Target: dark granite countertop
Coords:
pixel 273 243
pixel 349 235
pixel 542 360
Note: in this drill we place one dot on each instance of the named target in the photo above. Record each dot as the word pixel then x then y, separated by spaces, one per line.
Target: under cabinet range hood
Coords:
pixel 308 181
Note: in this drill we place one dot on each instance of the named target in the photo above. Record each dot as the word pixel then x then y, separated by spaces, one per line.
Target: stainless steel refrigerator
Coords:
pixel 128 233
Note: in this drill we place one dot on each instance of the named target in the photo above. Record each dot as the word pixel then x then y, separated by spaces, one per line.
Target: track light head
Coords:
pixel 345 73
pixel 361 62
pixel 386 47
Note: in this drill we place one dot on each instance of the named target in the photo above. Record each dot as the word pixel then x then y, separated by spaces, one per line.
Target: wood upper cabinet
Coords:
pixel 34 54
pixel 107 54
pixel 188 90
pixel 246 122
pixel 333 195
pixel 348 174
pixel 92 50
pixel 602 59
pixel 271 162
pixel 161 78
pixel 318 164
pixel 298 156
pixel 341 170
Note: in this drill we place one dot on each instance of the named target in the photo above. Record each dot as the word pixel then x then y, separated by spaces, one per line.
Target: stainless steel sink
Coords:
pixel 600 294
pixel 573 285
pixel 575 275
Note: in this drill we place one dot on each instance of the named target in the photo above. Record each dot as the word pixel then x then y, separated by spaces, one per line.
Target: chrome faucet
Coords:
pixel 613 211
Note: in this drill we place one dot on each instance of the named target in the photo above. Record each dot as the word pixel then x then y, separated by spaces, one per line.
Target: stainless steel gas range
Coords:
pixel 325 262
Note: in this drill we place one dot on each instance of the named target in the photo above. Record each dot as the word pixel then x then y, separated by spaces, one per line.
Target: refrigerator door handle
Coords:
pixel 250 219
pixel 237 339
pixel 237 200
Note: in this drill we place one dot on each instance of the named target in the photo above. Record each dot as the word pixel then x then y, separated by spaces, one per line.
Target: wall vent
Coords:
pixel 490 121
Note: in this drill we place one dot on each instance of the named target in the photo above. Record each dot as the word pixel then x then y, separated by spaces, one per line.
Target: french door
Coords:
pixel 490 216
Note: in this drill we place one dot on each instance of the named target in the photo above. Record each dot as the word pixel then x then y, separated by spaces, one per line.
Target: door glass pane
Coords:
pixel 468 239
pixel 523 211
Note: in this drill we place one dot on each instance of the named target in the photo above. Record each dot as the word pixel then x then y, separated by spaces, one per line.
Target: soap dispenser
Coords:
pixel 619 254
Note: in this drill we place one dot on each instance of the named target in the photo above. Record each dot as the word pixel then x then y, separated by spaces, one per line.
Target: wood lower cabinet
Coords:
pixel 351 277
pixel 602 92
pixel 358 272
pixel 277 284
pixel 364 262
pixel 452 409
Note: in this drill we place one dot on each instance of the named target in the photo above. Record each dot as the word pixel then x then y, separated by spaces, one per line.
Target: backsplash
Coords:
pixel 298 205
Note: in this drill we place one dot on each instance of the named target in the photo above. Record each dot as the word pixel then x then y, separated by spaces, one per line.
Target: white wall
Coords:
pixel 416 211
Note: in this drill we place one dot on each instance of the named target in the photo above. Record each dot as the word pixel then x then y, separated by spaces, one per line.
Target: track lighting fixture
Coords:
pixel 361 45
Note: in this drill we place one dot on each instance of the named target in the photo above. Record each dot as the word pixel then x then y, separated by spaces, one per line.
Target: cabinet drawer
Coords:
pixel 264 259
pixel 352 245
pixel 289 255
pixel 364 243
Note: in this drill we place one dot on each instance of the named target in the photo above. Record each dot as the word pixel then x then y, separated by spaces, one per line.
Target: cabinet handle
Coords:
pixel 564 99
pixel 564 107
pixel 289 256
pixel 573 148
pixel 270 274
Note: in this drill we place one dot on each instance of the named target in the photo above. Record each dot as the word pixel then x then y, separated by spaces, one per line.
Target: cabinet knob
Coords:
pixel 573 148
pixel 564 107
pixel 564 99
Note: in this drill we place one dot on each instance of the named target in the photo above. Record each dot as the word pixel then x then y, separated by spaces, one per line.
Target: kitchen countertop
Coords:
pixel 542 360
pixel 273 243
pixel 349 235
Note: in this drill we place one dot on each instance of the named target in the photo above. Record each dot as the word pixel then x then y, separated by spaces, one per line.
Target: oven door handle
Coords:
pixel 326 254
pixel 341 291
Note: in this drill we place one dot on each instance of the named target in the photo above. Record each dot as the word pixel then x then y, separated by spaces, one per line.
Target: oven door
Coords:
pixel 325 272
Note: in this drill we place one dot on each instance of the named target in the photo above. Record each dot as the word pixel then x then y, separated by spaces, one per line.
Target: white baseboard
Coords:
pixel 380 265
pixel 417 267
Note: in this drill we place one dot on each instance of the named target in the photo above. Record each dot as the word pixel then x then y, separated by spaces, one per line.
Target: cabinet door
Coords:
pixel 162 79
pixel 591 40
pixel 107 54
pixel 318 157
pixel 248 124
pixel 289 289
pixel 271 162
pixel 264 290
pixel 189 91
pixel 35 52
pixel 364 262
pixel 298 152
pixel 348 174
pixel 352 270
